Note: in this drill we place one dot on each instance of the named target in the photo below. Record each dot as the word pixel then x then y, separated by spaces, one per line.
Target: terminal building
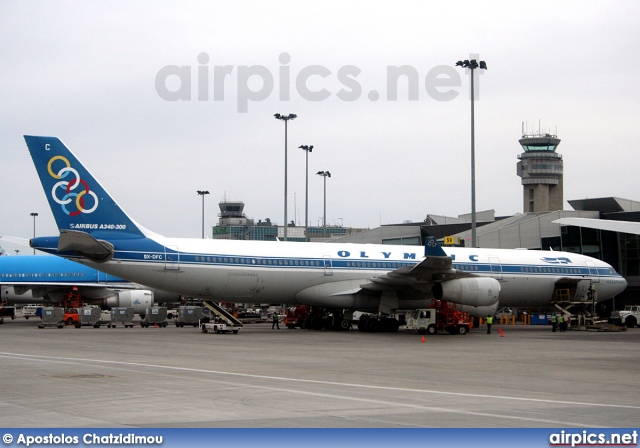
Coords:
pixel 234 225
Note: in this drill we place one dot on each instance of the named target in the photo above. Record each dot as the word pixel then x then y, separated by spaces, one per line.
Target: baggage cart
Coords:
pixel 155 316
pixel 189 315
pixel 88 316
pixel 121 315
pixel 52 317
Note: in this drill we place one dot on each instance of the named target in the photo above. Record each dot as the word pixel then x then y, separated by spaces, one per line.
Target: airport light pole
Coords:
pixel 472 65
pixel 286 119
pixel 324 174
pixel 34 228
pixel 307 149
pixel 203 193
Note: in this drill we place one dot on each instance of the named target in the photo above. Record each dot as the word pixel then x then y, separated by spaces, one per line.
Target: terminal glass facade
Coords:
pixel 579 240
pixel 630 248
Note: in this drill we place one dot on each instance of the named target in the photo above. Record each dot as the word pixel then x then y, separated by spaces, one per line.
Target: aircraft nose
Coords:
pixel 623 285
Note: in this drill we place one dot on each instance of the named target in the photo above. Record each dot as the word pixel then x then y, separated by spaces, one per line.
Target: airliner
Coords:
pixel 46 280
pixel 341 277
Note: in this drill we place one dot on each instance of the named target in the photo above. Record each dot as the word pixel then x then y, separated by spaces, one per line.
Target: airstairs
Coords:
pixel 222 313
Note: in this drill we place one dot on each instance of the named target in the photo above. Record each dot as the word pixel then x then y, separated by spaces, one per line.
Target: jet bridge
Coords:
pixel 222 313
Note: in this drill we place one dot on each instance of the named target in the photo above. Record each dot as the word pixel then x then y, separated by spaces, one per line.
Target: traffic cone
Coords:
pixel 155 326
pixel 501 332
pixel 422 339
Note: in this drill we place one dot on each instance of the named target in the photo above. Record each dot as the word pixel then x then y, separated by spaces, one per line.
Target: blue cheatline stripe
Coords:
pixel 346 265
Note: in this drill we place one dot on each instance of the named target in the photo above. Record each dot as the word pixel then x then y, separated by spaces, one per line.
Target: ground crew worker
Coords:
pixel 554 322
pixel 563 323
pixel 489 323
pixel 276 321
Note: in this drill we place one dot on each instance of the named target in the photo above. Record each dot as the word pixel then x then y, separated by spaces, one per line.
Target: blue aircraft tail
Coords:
pixel 432 248
pixel 78 202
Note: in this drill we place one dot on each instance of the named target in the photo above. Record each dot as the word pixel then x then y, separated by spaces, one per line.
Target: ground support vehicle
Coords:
pixel 121 315
pixel 189 315
pixel 220 314
pixel 218 327
pixel 629 316
pixel 295 316
pixel 31 311
pixel 251 316
pixel 7 311
pixel 52 317
pixel 155 316
pixel 71 316
pixel 443 317
pixel 449 319
pixel 316 318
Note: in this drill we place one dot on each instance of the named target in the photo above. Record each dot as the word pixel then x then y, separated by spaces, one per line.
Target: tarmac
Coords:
pixel 263 378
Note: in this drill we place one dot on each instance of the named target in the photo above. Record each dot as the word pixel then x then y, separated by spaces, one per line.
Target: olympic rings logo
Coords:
pixel 68 186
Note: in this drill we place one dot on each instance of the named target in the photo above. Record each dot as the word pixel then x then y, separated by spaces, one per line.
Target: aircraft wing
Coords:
pixel 436 267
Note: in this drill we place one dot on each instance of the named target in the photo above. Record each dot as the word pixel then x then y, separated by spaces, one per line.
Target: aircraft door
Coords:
pixel 496 268
pixel 171 258
pixel 328 267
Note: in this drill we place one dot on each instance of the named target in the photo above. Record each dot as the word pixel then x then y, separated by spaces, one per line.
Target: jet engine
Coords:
pixel 473 291
pixel 478 311
pixel 138 299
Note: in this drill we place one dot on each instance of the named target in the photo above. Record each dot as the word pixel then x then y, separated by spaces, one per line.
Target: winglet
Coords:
pixel 432 248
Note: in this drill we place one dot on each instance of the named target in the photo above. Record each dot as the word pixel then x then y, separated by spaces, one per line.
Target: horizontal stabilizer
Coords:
pixel 86 245
pixel 15 240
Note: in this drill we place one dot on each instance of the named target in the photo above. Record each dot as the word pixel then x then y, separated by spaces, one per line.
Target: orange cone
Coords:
pixel 422 339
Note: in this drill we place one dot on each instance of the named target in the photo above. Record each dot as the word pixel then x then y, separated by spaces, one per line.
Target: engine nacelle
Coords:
pixel 138 299
pixel 478 311
pixel 473 291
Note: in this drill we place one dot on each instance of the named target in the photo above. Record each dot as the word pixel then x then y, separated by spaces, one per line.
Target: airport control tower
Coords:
pixel 540 168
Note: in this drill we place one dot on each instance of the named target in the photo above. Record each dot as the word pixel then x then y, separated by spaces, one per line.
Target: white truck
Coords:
pixel 629 316
pixel 432 320
pixel 218 327
pixel 32 311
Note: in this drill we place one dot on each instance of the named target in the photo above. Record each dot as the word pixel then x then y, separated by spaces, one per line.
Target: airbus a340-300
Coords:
pixel 345 277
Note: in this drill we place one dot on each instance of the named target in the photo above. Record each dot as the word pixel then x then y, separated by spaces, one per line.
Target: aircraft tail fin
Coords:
pixel 432 248
pixel 77 200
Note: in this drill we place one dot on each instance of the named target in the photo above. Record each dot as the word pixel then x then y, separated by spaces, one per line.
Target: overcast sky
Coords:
pixel 102 76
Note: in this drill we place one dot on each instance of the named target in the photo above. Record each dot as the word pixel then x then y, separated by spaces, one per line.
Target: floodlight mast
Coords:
pixel 307 149
pixel 203 193
pixel 286 119
pixel 472 65
pixel 324 174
